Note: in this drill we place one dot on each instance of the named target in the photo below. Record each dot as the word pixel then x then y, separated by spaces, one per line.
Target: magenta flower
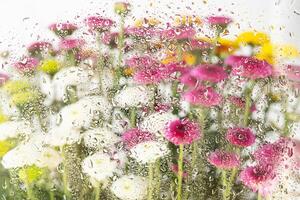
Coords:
pixel 63 29
pixel 218 20
pixel 205 96
pixel 141 32
pixel 99 23
pixel 242 137
pixel 135 136
pixel 249 67
pixel 194 44
pixel 3 78
pixel 69 44
pixel 38 47
pixel 188 80
pixel 293 74
pixel 223 159
pixel 240 103
pixel 178 33
pixel 182 131
pixel 259 178
pixel 27 64
pixel 110 39
pixel 140 61
pixel 209 72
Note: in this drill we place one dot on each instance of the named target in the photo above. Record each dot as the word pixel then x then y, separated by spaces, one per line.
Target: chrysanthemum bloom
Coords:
pixel 178 33
pixel 293 74
pixel 223 159
pixel 242 137
pixel 253 38
pixel 63 29
pixel 188 79
pixel 182 131
pixel 218 20
pixel 240 103
pixel 38 47
pixel 196 44
pixel 110 38
pixel 249 67
pixel 140 61
pixel 135 136
pixel 205 96
pixel 3 78
pixel 209 72
pixel 259 178
pixel 69 44
pixel 98 23
pixel 27 64
pixel 141 32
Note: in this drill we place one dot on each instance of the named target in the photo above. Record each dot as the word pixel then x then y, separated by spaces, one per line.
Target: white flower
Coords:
pixel 107 79
pixel 24 154
pixel 6 107
pixel 120 122
pixel 100 138
pixel 133 96
pixel 130 187
pixel 13 129
pixel 165 92
pixel 71 76
pixel 149 152
pixel 44 82
pixel 49 158
pixel 275 116
pixel 61 135
pixel 99 166
pixel 156 122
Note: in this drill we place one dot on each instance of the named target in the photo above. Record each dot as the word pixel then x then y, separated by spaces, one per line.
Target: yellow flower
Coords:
pixel 3 118
pixel 49 66
pixel 13 87
pixel 5 146
pixel 187 20
pixel 226 46
pixel 253 38
pixel 30 174
pixel 146 21
pixel 128 71
pixel 25 97
pixel 267 53
pixel 287 51
pixel 189 58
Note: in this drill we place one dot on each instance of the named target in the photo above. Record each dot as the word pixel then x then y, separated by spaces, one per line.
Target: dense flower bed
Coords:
pixel 155 112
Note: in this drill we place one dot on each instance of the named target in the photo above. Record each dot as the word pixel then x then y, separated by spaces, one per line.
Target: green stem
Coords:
pixel 150 181
pixel 259 197
pixel 97 191
pixel 226 191
pixel 247 112
pixel 180 172
pixel 157 177
pixel 133 116
pixel 194 154
pixel 29 191
pixel 51 194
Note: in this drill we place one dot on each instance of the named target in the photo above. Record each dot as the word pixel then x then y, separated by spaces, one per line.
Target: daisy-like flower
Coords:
pixel 3 78
pixel 141 32
pixel 259 178
pixel 209 72
pixel 27 64
pixel 149 151
pixel 130 187
pixel 205 96
pixel 14 129
pixel 62 135
pixel 182 131
pixel 156 123
pixel 110 38
pixel 249 67
pixel 63 29
pixel 98 23
pixel 39 46
pixel 242 137
pixel 100 138
pixel 219 20
pixel 188 79
pixel 178 33
pixel 69 44
pixel 135 136
pixel 49 158
pixel 133 96
pixel 223 159
pixel 99 166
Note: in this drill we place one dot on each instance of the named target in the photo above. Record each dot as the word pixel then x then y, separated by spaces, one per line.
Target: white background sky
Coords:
pixel 24 21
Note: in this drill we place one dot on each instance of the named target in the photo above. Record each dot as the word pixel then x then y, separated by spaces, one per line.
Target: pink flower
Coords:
pixel 37 47
pixel 68 44
pixel 27 64
pixel 240 103
pixel 194 44
pixel 135 136
pixel 110 39
pixel 205 96
pixel 209 72
pixel 3 78
pixel 188 80
pixel 140 61
pixel 219 20
pixel 249 67
pixel 223 159
pixel 98 23
pixel 261 178
pixel 293 74
pixel 178 33
pixel 63 29
pixel 242 137
pixel 141 32
pixel 182 131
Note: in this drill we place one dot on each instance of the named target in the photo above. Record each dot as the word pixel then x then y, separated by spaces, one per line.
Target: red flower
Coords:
pixel 242 137
pixel 209 72
pixel 182 132
pixel 218 20
pixel 223 159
